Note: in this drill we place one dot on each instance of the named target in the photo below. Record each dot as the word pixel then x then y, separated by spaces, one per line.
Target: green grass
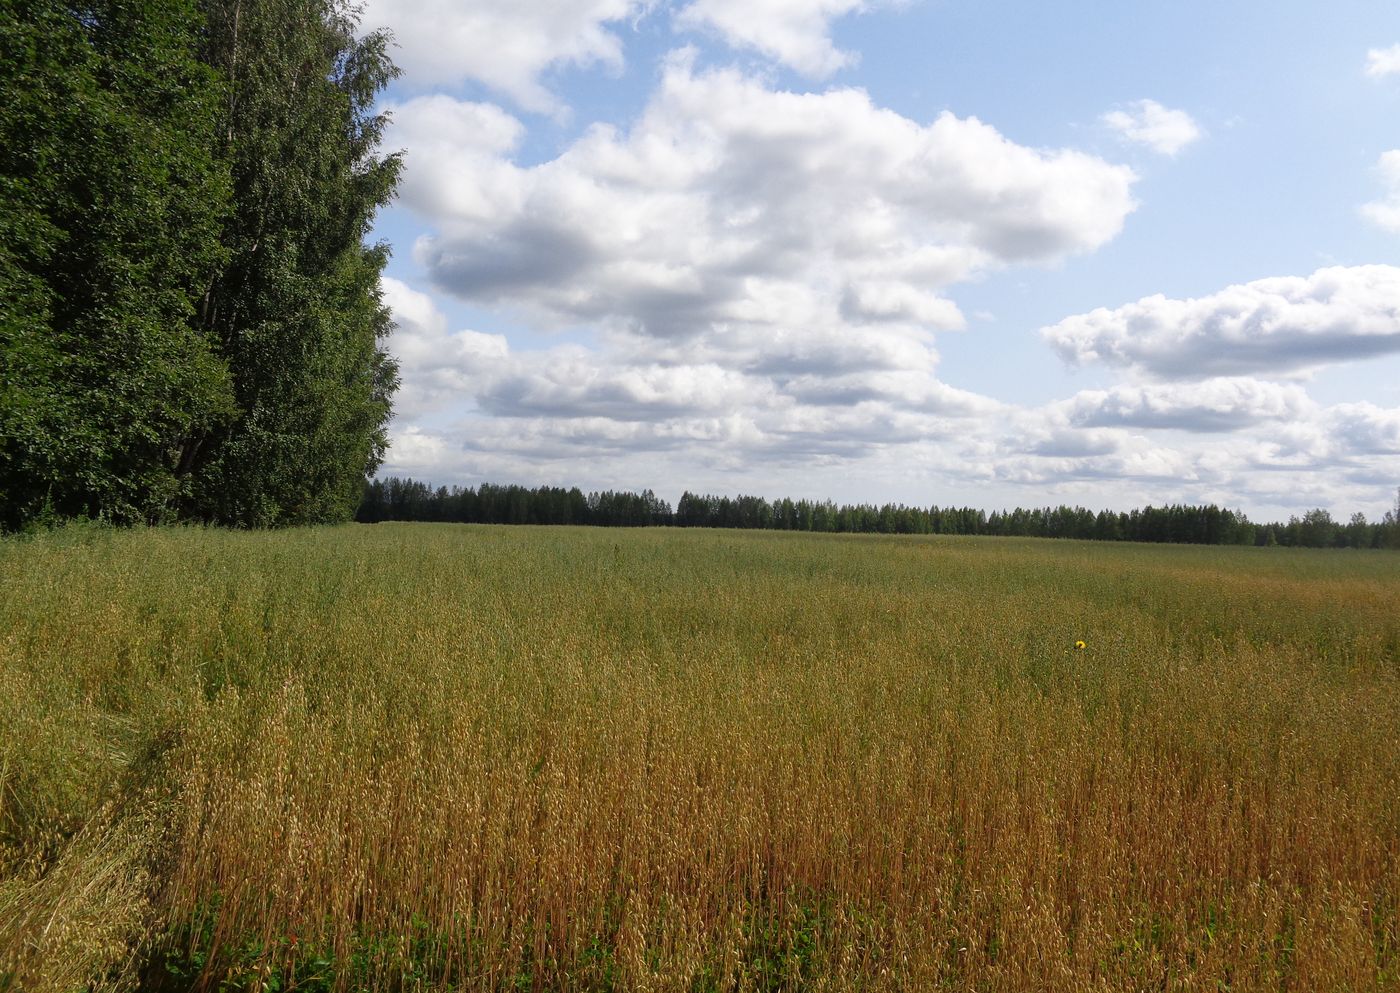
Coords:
pixel 432 757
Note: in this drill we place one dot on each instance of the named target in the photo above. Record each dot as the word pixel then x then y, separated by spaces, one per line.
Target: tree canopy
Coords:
pixel 190 321
pixel 395 499
pixel 111 203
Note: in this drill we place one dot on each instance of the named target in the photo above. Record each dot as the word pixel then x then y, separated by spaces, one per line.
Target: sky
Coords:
pixel 993 253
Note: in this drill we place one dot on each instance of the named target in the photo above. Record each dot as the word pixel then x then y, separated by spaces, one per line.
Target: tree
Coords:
pixel 1388 534
pixel 1317 529
pixel 296 311
pixel 1359 532
pixel 111 202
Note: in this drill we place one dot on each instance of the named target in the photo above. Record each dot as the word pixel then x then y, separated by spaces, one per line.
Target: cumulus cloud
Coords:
pixel 732 205
pixel 1356 442
pixel 813 413
pixel 759 277
pixel 1158 464
pixel 1364 429
pixel 505 44
pixel 1043 448
pixel 414 451
pixel 629 379
pixel 1215 405
pixel 1160 128
pixel 439 367
pixel 1279 325
pixel 639 411
pixel 796 33
pixel 876 300
pixel 779 400
pixel 780 420
pixel 1381 62
pixel 456 138
pixel 573 382
pixel 1385 212
pixel 1231 443
pixel 1068 443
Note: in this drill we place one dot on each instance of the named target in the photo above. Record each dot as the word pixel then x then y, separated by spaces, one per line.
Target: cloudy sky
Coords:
pixel 986 252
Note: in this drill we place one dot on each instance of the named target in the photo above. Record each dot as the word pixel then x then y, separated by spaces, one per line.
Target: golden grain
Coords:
pixel 433 757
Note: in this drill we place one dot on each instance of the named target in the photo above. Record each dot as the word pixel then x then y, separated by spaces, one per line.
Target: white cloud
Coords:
pixel 826 418
pixel 763 271
pixel 455 138
pixel 726 403
pixel 417 452
pixel 845 416
pixel 638 379
pixel 758 277
pixel 875 300
pixel 731 205
pixel 796 33
pixel 1385 213
pixel 1381 62
pixel 578 383
pixel 439 368
pixel 505 44
pixel 1161 129
pixel 1364 429
pixel 1215 405
pixel 1234 443
pixel 1283 324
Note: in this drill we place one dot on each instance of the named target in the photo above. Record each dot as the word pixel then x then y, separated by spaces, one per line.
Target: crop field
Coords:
pixel 432 757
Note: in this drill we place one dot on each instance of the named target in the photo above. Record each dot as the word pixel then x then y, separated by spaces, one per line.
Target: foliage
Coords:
pixel 296 310
pixel 189 319
pixel 429 757
pixel 395 499
pixel 110 207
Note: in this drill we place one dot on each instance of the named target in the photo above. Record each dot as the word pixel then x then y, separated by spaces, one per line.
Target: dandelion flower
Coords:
pixel 1079 646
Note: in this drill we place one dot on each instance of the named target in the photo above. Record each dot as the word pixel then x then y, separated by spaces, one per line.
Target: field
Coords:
pixel 455 757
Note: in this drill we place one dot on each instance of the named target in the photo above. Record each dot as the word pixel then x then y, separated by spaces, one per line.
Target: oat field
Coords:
pixel 445 757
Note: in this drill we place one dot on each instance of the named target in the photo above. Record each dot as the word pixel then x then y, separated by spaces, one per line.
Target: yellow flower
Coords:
pixel 1079 646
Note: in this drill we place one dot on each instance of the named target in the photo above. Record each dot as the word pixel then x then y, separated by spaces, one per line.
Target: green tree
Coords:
pixel 1359 532
pixel 1388 533
pixel 110 207
pixel 296 311
pixel 1317 529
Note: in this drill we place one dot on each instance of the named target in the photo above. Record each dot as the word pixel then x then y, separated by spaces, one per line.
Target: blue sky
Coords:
pixel 995 253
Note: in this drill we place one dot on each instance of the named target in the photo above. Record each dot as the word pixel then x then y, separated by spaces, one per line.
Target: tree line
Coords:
pixel 190 319
pixel 395 499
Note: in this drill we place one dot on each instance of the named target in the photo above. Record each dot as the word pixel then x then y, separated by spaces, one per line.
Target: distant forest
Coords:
pixel 395 499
